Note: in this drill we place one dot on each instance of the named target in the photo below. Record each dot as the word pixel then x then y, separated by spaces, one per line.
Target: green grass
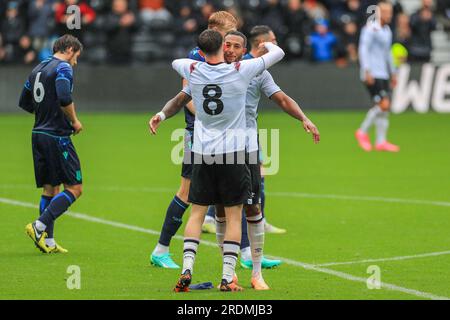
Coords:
pixel 129 178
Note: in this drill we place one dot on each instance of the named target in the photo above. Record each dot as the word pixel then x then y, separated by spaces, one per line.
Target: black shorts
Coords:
pixel 226 184
pixel 186 167
pixel 379 90
pixel 55 160
pixel 254 166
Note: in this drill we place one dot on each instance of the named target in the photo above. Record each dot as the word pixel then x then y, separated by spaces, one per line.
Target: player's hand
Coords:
pixel 262 48
pixel 310 127
pixel 369 79
pixel 154 123
pixel 77 127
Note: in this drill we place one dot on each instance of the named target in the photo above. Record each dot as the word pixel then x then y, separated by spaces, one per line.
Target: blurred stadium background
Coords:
pixel 341 206
pixel 135 40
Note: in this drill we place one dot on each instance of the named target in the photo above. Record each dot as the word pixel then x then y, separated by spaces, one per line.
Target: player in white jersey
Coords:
pixel 377 68
pixel 235 44
pixel 220 174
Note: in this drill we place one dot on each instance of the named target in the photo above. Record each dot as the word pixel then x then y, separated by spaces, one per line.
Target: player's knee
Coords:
pixel 76 190
pixel 252 210
pixel 385 104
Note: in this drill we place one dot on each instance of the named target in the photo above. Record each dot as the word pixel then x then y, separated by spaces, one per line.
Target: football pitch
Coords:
pixel 346 212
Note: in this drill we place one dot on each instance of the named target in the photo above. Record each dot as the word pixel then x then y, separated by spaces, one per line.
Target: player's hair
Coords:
pixel 258 31
pixel 239 34
pixel 65 42
pixel 222 21
pixel 210 41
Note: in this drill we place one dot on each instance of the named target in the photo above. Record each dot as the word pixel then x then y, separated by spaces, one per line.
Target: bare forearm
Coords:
pixel 289 105
pixel 174 105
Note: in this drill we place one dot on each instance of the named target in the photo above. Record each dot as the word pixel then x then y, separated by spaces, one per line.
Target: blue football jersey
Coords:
pixel 49 118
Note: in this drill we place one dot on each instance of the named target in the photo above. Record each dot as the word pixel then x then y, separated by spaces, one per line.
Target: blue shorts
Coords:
pixel 55 160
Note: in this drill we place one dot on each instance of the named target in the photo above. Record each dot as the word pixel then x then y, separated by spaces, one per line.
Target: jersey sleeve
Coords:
pixel 251 68
pixel 363 50
pixel 64 84
pixel 268 85
pixel 183 67
pixel 26 98
pixel 187 90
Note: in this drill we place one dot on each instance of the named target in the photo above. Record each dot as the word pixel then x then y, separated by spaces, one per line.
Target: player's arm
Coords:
pixel 172 107
pixel 26 98
pixel 291 107
pixel 364 51
pixel 253 67
pixel 63 85
pixel 190 104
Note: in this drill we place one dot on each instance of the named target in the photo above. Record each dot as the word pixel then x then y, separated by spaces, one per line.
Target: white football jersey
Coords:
pixel 219 96
pixel 262 83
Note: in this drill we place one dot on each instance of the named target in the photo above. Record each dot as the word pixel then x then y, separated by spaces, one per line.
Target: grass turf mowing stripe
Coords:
pixel 415 256
pixel 273 194
pixel 306 266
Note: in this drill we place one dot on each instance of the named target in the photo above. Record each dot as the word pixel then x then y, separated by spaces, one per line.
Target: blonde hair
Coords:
pixel 222 21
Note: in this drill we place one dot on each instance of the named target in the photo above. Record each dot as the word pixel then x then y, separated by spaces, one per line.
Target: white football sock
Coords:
pixel 221 226
pixel 189 253
pixel 255 227
pixel 382 125
pixel 370 118
pixel 230 256
pixel 160 249
pixel 50 242
pixel 40 226
pixel 246 254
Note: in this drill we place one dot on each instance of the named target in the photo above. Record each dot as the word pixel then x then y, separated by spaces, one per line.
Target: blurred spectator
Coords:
pixel 153 10
pixel 186 28
pixel 315 9
pixel 40 21
pixel 349 22
pixel 120 25
pixel 272 16
pixel 443 13
pixel 12 28
pixel 322 42
pixel 87 17
pixel 422 24
pixel 299 25
pixel 403 31
pixel 205 12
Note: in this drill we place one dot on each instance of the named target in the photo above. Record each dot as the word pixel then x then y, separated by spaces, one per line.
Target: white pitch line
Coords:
pixel 306 266
pixel 359 198
pixel 275 194
pixel 415 256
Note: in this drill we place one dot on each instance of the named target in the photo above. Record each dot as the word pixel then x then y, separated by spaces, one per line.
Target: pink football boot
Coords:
pixel 387 146
pixel 363 140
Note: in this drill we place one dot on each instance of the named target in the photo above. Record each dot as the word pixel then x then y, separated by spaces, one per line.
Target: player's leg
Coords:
pixel 231 246
pixel 255 224
pixel 48 193
pixel 160 256
pixel 382 122
pixel 192 235
pixel 362 134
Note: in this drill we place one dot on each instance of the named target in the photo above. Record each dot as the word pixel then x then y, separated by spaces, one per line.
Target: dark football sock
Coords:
pixel 245 242
pixel 173 220
pixel 263 196
pixel 60 203
pixel 45 201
